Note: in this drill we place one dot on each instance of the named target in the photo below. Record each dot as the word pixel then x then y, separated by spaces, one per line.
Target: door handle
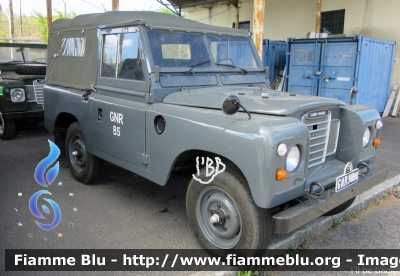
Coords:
pixel 318 73
pixel 328 78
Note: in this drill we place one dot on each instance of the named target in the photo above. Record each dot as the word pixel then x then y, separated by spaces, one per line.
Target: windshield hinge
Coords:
pixel 148 98
pixel 145 159
pixel 85 97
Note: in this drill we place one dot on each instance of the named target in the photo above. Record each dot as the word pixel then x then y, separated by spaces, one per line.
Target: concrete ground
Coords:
pixel 122 210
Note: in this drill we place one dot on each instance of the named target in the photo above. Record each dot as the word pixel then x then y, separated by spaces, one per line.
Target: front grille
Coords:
pixel 38 86
pixel 324 135
pixel 333 137
pixel 34 93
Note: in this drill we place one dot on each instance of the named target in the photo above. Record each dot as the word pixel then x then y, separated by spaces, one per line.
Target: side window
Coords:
pixel 130 66
pixel 122 56
pixel 332 22
pixel 110 51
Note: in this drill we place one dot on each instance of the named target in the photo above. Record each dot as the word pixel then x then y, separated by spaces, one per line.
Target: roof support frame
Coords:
pixel 171 7
pixel 176 6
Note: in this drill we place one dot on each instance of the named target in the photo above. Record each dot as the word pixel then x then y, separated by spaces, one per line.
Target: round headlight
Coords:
pixel 379 124
pixel 281 150
pixel 367 137
pixel 293 159
pixel 17 95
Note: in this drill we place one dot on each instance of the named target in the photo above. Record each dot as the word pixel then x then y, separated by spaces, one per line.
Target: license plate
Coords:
pixel 345 180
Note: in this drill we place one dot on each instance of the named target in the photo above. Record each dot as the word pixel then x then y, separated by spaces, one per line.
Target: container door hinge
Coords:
pixel 145 159
pixel 147 98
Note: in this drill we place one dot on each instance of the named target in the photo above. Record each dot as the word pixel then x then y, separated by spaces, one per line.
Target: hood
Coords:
pixel 254 99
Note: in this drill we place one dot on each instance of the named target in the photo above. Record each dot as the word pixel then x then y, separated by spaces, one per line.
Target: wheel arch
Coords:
pixel 187 161
pixel 63 121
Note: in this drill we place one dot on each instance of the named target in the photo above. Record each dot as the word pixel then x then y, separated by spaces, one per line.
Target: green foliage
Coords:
pixel 41 22
pixel 337 222
pixel 168 11
pixel 347 218
pixel 27 30
pixel 293 248
pixel 244 273
pixel 252 273
pixel 33 26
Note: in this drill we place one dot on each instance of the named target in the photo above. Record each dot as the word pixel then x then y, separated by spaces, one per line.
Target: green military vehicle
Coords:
pixel 22 73
pixel 155 94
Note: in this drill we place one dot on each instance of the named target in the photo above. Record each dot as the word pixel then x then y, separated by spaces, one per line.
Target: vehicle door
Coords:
pixel 119 106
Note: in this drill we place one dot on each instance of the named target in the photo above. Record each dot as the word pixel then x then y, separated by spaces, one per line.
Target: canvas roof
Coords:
pixel 154 20
pixel 80 72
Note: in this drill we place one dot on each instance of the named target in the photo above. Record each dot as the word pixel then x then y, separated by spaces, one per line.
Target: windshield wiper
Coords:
pixel 190 72
pixel 233 66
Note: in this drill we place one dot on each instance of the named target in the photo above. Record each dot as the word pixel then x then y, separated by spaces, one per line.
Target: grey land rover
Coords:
pixel 155 93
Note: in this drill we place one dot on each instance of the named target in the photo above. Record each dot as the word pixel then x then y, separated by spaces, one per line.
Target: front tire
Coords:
pixel 84 166
pixel 245 225
pixel 8 129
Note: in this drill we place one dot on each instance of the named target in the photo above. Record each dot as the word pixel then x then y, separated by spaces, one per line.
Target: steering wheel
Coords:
pixel 223 59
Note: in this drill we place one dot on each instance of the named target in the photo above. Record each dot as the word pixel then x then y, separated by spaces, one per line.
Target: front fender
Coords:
pixel 249 144
pixel 354 119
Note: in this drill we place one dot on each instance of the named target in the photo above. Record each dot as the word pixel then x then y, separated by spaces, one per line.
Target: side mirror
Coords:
pixel 230 105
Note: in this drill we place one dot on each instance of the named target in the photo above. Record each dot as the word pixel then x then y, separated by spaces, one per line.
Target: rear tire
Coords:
pixel 85 167
pixel 340 208
pixel 247 227
pixel 8 129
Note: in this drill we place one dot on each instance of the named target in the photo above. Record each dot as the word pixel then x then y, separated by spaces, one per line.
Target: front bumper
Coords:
pixel 23 115
pixel 300 214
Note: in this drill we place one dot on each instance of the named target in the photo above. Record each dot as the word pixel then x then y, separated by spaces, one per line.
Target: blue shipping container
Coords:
pixel 274 56
pixel 331 67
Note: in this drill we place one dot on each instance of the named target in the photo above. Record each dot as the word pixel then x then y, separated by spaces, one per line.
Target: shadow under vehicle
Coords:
pixel 154 93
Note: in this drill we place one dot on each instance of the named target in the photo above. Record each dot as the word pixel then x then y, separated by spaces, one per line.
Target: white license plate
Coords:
pixel 345 180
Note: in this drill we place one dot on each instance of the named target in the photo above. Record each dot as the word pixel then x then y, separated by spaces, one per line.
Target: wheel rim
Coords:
pixel 210 200
pixel 1 124
pixel 77 153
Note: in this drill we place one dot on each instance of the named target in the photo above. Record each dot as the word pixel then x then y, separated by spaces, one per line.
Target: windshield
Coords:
pixel 177 49
pixel 17 54
pixel 233 51
pixel 186 50
pixel 35 54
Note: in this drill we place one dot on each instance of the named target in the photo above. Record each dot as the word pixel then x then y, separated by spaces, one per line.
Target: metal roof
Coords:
pixel 176 6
